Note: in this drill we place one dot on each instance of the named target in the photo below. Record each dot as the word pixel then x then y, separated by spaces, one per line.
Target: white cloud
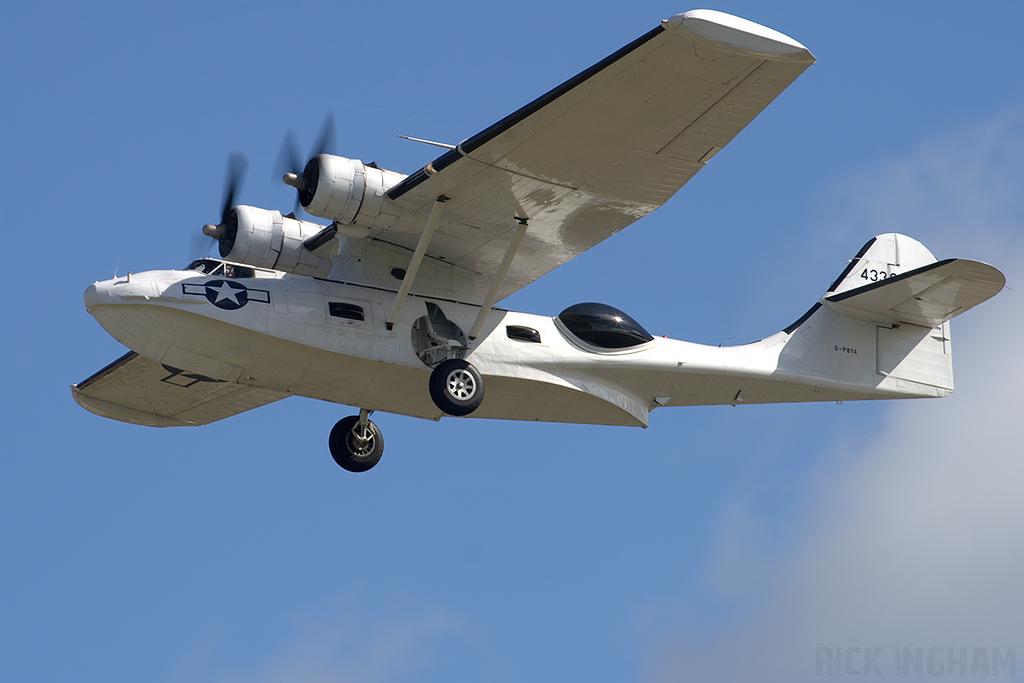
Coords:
pixel 913 537
pixel 955 191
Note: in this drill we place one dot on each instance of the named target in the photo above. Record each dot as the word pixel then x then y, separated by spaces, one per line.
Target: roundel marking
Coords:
pixel 226 294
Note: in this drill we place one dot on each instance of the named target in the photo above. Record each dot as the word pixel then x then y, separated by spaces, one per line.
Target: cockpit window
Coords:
pixel 207 266
pixel 238 271
pixel 603 326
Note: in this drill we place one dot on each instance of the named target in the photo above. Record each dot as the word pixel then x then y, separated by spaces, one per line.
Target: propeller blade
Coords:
pixel 325 145
pixel 237 164
pixel 289 165
pixel 288 157
pixel 224 232
pixel 199 246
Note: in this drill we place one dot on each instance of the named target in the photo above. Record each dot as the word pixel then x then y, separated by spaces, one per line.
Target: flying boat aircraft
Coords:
pixel 391 306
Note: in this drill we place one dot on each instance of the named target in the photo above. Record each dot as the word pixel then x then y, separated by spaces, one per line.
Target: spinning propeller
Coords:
pixel 225 231
pixel 289 163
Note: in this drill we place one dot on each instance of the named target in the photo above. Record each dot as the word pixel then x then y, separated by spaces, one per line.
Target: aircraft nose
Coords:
pixel 92 295
pixel 127 289
pixel 98 293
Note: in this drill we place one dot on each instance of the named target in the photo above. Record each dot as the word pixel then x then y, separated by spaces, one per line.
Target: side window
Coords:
pixel 521 333
pixel 238 271
pixel 340 309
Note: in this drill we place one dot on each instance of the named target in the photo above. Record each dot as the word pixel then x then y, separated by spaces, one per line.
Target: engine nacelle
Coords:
pixel 267 239
pixel 347 190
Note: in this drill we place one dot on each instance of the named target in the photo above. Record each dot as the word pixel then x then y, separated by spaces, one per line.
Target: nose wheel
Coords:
pixel 356 443
pixel 456 387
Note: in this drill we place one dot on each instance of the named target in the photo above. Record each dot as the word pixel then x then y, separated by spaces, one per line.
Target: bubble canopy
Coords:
pixel 603 326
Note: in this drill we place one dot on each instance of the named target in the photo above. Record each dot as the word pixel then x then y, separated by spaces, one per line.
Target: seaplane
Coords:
pixel 392 305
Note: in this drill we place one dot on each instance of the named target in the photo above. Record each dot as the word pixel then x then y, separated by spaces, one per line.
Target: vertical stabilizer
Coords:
pixel 881 258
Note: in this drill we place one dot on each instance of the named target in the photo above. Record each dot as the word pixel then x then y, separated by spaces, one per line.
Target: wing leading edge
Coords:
pixel 138 390
pixel 603 149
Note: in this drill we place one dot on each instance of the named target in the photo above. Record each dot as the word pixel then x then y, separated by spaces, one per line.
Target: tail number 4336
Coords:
pixel 875 275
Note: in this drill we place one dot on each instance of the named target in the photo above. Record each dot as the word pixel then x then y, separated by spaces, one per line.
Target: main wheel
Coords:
pixel 456 387
pixel 356 448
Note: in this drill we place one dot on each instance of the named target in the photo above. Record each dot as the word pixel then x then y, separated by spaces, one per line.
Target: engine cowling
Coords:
pixel 347 190
pixel 267 239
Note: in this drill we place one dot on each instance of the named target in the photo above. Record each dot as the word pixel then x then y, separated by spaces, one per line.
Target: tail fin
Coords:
pixel 881 258
pixel 884 322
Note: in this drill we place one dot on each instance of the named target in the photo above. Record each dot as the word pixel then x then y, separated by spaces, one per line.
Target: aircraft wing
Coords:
pixel 135 389
pixel 926 296
pixel 603 149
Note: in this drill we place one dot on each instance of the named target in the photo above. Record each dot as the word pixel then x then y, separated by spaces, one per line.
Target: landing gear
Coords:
pixel 456 387
pixel 356 443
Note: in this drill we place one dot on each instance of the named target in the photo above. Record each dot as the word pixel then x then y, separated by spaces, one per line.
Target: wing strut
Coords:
pixel 492 293
pixel 417 258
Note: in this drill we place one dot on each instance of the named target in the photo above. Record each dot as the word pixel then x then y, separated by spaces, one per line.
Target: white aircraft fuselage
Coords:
pixel 276 331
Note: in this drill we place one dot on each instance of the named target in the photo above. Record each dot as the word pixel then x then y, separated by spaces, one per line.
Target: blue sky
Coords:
pixel 718 543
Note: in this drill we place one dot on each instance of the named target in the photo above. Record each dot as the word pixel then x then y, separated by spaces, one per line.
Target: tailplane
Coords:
pixel 898 281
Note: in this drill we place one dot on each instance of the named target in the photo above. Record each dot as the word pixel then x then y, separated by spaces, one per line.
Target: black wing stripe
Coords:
pixel 488 134
pixel 126 358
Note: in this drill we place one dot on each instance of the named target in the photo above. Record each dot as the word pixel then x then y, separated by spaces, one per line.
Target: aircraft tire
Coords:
pixel 352 451
pixel 456 387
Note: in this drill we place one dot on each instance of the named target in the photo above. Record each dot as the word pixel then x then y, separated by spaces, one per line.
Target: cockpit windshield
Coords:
pixel 209 266
pixel 603 326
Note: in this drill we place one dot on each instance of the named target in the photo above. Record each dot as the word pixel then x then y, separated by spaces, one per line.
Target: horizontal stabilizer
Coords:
pixel 927 296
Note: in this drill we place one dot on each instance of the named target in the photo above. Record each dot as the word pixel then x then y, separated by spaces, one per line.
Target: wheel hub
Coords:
pixel 360 440
pixel 461 385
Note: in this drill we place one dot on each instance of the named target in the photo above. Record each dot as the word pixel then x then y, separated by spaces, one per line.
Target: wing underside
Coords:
pixel 603 149
pixel 138 390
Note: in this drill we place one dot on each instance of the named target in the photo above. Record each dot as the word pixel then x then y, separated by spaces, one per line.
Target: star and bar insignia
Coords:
pixel 226 294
